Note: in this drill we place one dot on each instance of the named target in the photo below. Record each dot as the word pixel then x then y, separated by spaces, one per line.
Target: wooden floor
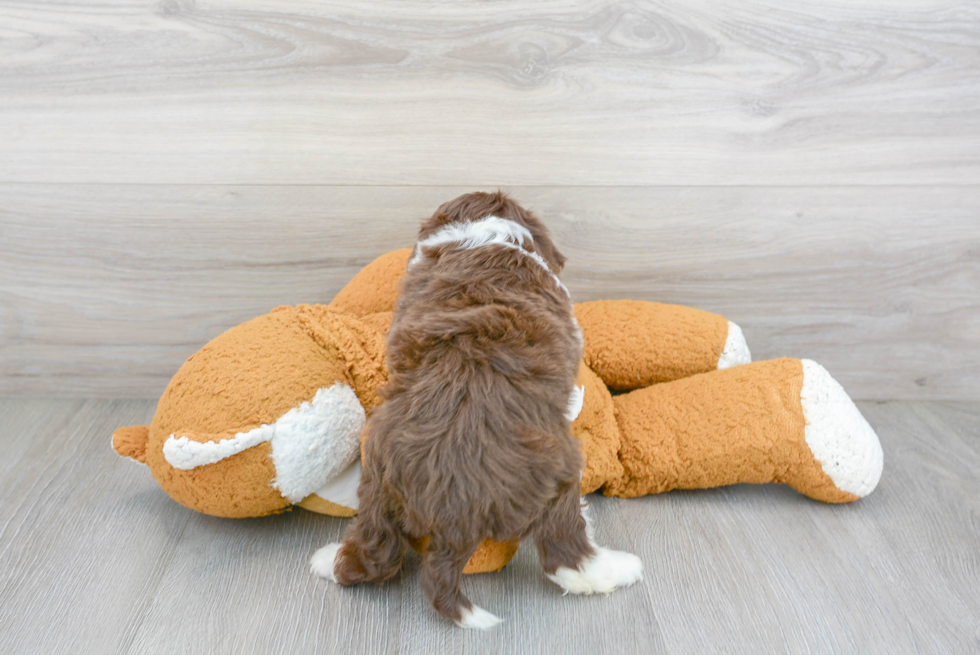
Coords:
pixel 94 557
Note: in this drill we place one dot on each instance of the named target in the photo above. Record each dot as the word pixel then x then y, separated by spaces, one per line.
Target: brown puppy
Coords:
pixel 473 438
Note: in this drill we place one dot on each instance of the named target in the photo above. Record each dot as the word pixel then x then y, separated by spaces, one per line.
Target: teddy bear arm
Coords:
pixel 631 344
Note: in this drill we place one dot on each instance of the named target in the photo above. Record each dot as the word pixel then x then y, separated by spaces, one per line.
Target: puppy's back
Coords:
pixel 483 353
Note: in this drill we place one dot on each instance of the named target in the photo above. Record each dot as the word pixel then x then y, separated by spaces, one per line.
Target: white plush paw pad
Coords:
pixel 736 351
pixel 838 435
pixel 479 618
pixel 323 561
pixel 603 573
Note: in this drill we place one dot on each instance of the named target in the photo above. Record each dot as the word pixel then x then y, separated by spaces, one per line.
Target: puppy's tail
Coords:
pixel 441 578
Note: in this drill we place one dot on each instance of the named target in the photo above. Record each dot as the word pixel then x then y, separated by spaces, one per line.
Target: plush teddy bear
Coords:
pixel 270 414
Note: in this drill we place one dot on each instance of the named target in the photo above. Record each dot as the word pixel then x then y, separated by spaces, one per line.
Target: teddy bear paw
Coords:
pixel 837 434
pixel 736 351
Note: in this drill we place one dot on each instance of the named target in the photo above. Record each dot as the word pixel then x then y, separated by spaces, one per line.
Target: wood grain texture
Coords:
pixel 79 561
pixel 106 289
pixel 555 92
pixel 94 557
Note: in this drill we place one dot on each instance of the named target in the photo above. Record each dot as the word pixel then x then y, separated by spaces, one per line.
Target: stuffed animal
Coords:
pixel 270 414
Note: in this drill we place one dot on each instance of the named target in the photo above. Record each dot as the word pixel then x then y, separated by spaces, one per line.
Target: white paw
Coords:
pixel 838 434
pixel 477 617
pixel 736 351
pixel 323 560
pixel 603 573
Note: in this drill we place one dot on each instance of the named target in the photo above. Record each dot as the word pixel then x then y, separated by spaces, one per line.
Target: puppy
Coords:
pixel 473 440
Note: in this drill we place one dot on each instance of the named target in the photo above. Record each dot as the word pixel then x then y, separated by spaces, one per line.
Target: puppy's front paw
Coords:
pixel 602 573
pixel 323 561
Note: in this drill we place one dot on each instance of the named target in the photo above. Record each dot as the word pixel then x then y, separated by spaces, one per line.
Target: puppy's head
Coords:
pixel 477 206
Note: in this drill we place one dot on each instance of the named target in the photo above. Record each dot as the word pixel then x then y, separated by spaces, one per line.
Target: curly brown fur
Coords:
pixel 472 439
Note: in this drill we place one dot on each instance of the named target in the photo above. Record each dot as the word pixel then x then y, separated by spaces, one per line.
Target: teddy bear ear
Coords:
pixel 131 441
pixel 375 288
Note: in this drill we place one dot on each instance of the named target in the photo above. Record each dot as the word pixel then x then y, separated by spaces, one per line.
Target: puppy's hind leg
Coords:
pixel 372 549
pixel 570 557
pixel 441 577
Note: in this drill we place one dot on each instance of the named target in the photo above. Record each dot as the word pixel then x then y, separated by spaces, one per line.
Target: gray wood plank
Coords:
pixel 760 569
pixel 933 490
pixel 556 92
pixel 84 535
pixel 92 551
pixel 106 289
pixel 289 611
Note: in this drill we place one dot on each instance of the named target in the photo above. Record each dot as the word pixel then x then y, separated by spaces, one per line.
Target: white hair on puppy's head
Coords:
pixel 488 231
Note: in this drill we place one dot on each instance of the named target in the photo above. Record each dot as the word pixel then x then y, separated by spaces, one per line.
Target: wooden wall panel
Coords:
pixel 106 289
pixel 516 93
pixel 169 169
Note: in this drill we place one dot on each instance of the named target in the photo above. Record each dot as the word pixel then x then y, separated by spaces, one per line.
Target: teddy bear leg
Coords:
pixel 837 434
pixel 782 420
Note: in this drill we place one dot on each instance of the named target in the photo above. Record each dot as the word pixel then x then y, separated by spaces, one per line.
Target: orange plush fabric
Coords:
pixel 632 344
pixel 598 432
pixel 249 376
pixel 490 556
pixel 131 442
pixel 375 288
pixel 743 424
pixel 683 425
